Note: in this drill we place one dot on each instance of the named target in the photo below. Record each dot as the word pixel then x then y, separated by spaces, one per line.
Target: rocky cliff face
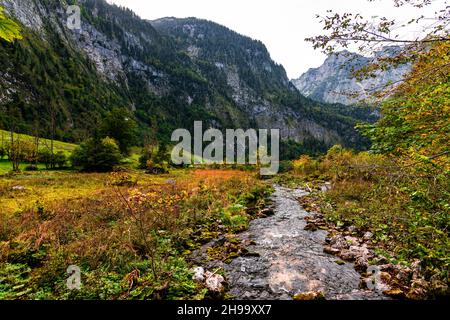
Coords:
pixel 169 72
pixel 334 81
pixel 246 75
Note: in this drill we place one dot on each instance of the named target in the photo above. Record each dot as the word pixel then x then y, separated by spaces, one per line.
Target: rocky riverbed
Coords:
pixel 291 260
pixel 285 261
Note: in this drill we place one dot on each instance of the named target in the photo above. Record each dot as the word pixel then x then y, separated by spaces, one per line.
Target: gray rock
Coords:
pixel 368 235
pixel 339 242
pixel 214 282
pixel 333 82
pixel 199 274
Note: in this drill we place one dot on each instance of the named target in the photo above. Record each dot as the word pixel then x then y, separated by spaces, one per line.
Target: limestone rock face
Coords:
pixel 175 70
pixel 333 82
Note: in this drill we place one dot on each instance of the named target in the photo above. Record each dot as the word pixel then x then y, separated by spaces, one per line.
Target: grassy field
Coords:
pixel 5 137
pixel 130 233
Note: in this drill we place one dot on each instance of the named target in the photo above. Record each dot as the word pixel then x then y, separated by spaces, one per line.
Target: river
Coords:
pixel 290 259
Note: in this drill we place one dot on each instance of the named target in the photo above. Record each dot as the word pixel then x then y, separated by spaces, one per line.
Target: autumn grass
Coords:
pixel 130 233
pixel 407 208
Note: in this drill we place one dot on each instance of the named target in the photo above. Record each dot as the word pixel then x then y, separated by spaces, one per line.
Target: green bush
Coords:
pixel 144 158
pixel 60 159
pixel 45 157
pixel 97 155
pixel 157 168
pixel 120 125
pixel 155 161
pixel 31 167
pixel 285 166
pixel 2 152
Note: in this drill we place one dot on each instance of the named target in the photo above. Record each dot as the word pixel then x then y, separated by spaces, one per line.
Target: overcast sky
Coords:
pixel 282 25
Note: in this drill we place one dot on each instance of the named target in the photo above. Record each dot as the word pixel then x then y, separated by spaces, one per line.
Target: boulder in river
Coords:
pixel 214 282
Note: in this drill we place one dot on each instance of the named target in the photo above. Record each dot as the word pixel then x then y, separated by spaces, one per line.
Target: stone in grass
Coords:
pixel 214 282
pixel 367 236
pixel 339 242
pixel 310 295
pixel 352 241
pixel 347 255
pixel 199 274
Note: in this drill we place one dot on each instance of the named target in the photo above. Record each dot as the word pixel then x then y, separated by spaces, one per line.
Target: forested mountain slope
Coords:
pixel 168 72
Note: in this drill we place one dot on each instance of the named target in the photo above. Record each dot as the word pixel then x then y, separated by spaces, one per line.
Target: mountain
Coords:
pixel 334 81
pixel 168 73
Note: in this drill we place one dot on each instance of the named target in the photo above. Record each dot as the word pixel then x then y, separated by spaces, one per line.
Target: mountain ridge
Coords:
pixel 334 80
pixel 155 70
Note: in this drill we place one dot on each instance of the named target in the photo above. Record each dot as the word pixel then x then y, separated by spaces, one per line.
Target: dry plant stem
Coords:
pixel 138 218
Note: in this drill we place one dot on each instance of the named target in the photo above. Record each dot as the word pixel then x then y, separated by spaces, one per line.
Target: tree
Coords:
pixel 346 30
pixel 2 147
pixel 13 152
pixel 415 116
pixel 45 157
pixel 36 138
pixel 97 155
pixel 52 113
pixel 416 119
pixel 19 150
pixel 352 28
pixel 155 160
pixel 120 125
pixel 60 159
pixel 9 30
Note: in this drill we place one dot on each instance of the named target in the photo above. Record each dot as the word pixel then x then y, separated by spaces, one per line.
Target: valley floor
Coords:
pixel 138 236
